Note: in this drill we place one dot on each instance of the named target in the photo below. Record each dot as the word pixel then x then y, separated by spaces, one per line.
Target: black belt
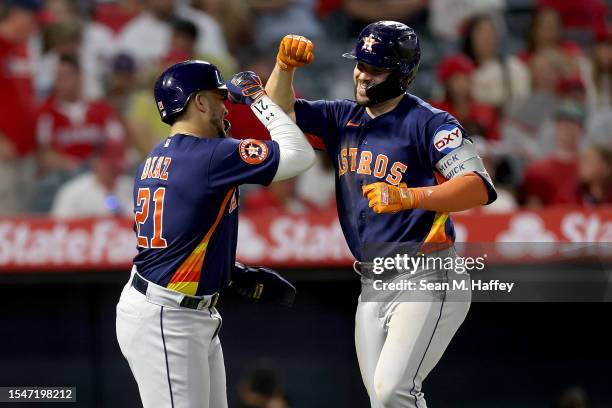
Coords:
pixel 190 302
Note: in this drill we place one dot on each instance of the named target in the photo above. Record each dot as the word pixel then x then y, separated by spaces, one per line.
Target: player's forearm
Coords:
pixel 280 89
pixel 458 194
pixel 296 154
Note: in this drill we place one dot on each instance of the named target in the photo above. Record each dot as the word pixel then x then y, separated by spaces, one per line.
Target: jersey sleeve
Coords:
pixel 318 120
pixel 452 153
pixel 247 161
pixel 444 136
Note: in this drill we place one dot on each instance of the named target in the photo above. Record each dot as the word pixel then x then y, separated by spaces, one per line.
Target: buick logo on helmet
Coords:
pixel 368 42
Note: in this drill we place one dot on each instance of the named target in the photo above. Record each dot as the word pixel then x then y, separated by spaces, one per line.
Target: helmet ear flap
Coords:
pixel 395 85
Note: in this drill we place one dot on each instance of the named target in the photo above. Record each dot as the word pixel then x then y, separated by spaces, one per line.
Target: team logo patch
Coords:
pixel 253 151
pixel 447 138
pixel 368 42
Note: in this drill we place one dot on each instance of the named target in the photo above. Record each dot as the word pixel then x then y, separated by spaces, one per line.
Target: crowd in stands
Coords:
pixel 529 80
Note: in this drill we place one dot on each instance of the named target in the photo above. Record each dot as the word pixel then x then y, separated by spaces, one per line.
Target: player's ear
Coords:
pixel 200 102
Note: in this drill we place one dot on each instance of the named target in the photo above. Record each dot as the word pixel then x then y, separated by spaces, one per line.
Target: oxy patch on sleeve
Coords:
pixel 447 138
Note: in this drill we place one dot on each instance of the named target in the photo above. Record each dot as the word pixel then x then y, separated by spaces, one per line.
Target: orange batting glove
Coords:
pixel 385 198
pixel 294 51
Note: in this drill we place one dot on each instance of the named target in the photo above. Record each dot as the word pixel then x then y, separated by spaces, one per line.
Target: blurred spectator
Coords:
pixel 18 24
pixel 121 82
pixel 148 36
pixel 506 201
pixel 69 127
pixel 553 179
pixel 595 176
pixel 58 39
pixel 573 398
pixel 92 42
pixel 279 196
pixel 141 116
pixel 276 18
pixel 498 79
pixel 523 122
pixel 260 388
pixel 455 73
pixel 446 17
pixel 546 32
pixel 326 8
pixel 599 82
pixel 116 14
pixel 142 119
pixel 569 89
pixel 234 16
pixel 104 190
pixel 184 37
pixel 585 14
pixel 366 11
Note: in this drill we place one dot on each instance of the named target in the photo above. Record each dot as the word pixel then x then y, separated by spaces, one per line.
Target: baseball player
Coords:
pixel 401 168
pixel 186 225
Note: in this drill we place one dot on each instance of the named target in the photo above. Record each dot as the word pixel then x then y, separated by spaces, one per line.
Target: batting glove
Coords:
pixel 245 87
pixel 262 284
pixel 294 51
pixel 384 198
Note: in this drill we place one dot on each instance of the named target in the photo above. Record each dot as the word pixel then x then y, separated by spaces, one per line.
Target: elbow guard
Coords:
pixel 462 160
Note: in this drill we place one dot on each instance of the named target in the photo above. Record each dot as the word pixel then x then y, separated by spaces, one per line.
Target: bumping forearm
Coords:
pixel 457 194
pixel 280 88
pixel 296 154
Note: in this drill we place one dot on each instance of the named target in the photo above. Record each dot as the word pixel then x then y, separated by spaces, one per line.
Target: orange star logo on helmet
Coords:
pixel 253 151
pixel 368 42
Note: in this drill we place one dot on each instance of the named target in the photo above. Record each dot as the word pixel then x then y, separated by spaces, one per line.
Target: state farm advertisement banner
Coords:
pixel 294 241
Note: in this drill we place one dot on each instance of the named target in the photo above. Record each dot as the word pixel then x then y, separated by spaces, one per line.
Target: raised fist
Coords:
pixel 294 51
pixel 245 87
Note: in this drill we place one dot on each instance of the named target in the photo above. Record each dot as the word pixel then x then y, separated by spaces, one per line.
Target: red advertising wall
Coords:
pixel 289 241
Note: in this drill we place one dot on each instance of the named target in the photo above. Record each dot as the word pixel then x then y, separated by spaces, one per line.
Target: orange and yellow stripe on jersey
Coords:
pixel 187 276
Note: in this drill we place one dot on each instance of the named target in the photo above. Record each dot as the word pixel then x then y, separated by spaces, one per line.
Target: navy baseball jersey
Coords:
pixel 403 145
pixel 186 208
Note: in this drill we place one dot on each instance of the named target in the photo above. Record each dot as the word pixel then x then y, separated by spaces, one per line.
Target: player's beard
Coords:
pixel 360 99
pixel 219 125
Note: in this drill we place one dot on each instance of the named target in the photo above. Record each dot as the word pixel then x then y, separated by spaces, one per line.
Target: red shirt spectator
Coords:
pixel 554 180
pixel 279 196
pixel 326 7
pixel 116 15
pixel 551 181
pixel 76 129
pixel 546 32
pixel 567 48
pixel 16 97
pixel 245 124
pixel 69 128
pixel 477 119
pixel 454 73
pixel 579 14
pixel 595 176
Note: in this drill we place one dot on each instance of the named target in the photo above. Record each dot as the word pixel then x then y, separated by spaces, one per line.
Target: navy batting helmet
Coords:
pixel 177 84
pixel 388 45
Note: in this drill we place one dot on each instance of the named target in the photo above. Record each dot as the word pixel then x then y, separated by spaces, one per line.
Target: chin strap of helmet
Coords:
pixel 395 85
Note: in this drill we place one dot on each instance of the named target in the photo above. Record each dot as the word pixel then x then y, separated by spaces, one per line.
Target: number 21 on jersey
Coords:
pixel 140 217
